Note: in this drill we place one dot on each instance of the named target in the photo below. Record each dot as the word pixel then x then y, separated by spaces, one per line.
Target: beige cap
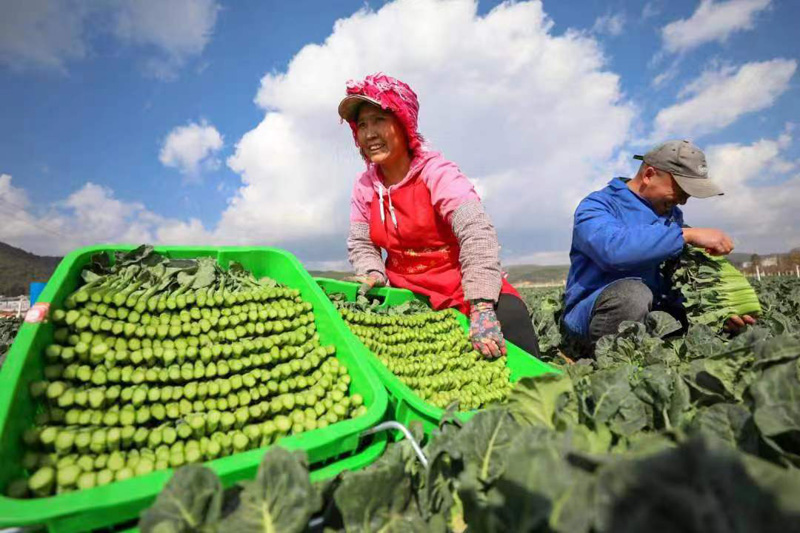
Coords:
pixel 687 164
pixel 348 107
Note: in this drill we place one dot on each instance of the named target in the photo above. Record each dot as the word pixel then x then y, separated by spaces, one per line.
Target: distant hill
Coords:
pixel 737 258
pixel 537 273
pixel 333 274
pixel 19 268
pixel 516 273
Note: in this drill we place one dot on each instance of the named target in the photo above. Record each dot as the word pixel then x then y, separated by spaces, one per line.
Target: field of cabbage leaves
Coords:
pixel 8 331
pixel 697 432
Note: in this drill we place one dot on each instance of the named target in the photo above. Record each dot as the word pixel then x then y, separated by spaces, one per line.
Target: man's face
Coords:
pixel 662 191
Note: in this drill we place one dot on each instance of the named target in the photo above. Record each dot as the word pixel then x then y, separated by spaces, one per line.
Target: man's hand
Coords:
pixel 737 323
pixel 484 329
pixel 714 241
pixel 368 282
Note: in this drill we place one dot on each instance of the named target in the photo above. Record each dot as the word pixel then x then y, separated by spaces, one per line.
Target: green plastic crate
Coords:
pixel 354 462
pixel 406 405
pixel 119 501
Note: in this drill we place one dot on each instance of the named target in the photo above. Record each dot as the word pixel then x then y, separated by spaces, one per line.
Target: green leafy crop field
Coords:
pixel 660 431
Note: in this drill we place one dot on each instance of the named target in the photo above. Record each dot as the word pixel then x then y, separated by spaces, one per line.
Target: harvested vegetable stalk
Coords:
pixel 712 288
pixel 428 351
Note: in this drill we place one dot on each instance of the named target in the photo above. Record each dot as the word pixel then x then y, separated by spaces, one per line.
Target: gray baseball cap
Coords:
pixel 687 164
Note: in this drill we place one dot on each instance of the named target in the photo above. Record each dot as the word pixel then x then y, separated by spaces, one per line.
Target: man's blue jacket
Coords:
pixel 616 235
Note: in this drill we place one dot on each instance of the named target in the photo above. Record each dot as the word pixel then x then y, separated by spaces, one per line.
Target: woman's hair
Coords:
pixel 394 96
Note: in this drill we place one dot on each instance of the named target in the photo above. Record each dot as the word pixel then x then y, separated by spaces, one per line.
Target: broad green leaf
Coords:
pixel 660 324
pixel 539 400
pixel 442 451
pixel 644 444
pixel 280 499
pixel 730 423
pixel 380 498
pixel 782 483
pixel 701 341
pixel 133 257
pixel 191 501
pixel 484 444
pixel 776 399
pixel 664 391
pixel 693 487
pixel 613 401
pixel 543 488
pixel 776 350
pixel 542 491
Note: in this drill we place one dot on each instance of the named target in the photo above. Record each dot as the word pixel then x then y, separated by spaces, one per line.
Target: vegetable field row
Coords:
pixel 663 431
pixel 160 363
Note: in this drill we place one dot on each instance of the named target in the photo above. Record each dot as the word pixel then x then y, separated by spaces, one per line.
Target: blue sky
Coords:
pixel 203 121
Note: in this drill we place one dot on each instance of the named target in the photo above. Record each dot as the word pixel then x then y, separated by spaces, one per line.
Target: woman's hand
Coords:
pixel 369 282
pixel 484 329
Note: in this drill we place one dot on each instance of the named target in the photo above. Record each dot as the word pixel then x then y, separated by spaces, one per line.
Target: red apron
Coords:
pixel 422 251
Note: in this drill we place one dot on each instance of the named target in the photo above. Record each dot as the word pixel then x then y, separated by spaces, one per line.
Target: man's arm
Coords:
pixel 616 246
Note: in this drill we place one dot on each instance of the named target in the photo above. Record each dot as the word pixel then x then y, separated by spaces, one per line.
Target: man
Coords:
pixel 624 232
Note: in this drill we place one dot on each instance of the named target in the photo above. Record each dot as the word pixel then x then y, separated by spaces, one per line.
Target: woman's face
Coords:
pixel 380 135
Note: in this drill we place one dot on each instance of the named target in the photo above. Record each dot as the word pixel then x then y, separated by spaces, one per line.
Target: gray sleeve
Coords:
pixel 480 252
pixel 362 253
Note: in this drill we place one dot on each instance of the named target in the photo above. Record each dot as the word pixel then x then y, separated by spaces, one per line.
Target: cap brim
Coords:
pixel 698 187
pixel 348 107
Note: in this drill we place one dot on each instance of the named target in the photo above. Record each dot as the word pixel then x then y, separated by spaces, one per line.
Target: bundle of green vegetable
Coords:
pixel 157 363
pixel 428 351
pixel 712 288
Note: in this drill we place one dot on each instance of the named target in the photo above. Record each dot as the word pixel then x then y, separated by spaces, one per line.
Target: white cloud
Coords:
pixel 719 97
pixel 12 197
pixel 526 113
pixel 651 9
pixel 191 149
pixel 48 34
pixel 178 29
pixel 42 34
pixel 534 118
pixel 178 232
pixel 609 24
pixel 529 115
pixel 759 208
pixel 90 215
pixel 667 75
pixel 712 21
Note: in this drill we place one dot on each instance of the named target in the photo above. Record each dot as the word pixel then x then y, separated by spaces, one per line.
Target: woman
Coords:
pixel 425 213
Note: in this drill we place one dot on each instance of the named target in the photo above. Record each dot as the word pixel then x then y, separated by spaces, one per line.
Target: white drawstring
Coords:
pixel 391 207
pixel 380 196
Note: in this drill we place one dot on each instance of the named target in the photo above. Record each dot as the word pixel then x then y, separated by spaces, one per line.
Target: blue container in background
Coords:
pixel 36 290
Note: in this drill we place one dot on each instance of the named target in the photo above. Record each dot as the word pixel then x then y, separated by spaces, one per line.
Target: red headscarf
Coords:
pixel 395 96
